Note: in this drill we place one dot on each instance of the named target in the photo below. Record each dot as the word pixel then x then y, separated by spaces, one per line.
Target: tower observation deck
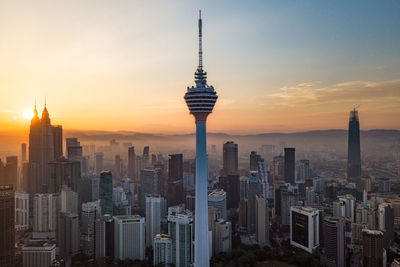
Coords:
pixel 200 100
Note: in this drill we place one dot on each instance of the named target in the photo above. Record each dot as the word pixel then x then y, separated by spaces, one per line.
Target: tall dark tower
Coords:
pixel 353 153
pixel 289 164
pixel 230 158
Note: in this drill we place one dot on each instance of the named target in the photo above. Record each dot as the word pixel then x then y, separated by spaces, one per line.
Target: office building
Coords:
pixel 45 207
pixel 230 158
pixel 132 164
pixel 91 211
pixel 304 170
pixel 176 192
pixel 290 165
pixel 353 152
pixel 98 162
pixel 254 158
pixel 278 168
pixel 201 100
pixel 23 152
pixel 304 228
pixel 386 223
pixel 180 229
pixel 68 235
pixel 104 239
pixel 21 211
pixel 7 227
pixel 334 242
pixel 222 236
pixel 262 221
pixel 162 250
pixel 106 192
pixel 155 212
pixel 129 237
pixel 217 199
pixel 89 188
pixel 287 200
pixel 11 172
pixel 64 172
pixel 38 254
pixel 69 200
pixel 243 213
pixel 231 185
pixel 254 188
pixel 374 254
pixel 74 149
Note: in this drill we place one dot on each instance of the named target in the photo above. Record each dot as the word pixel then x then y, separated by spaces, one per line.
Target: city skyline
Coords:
pixel 288 68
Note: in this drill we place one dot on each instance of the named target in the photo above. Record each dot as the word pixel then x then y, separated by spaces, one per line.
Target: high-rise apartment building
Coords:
pixel 180 229
pixel 353 152
pixel 162 251
pixel 45 207
pixel 129 237
pixel 304 228
pixel 21 211
pixel 106 192
pixel 290 165
pixel 217 199
pixel 7 228
pixel 230 158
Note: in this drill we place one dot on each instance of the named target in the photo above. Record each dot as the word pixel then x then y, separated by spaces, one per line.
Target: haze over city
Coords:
pixel 279 67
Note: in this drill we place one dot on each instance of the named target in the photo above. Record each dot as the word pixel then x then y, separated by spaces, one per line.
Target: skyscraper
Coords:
pixel 132 163
pixel 43 149
pixel 304 170
pixel 106 192
pixel 98 162
pixel 304 228
pixel 162 253
pixel 334 242
pixel 155 211
pixel 23 152
pixel 373 251
pixel 45 208
pixel 129 240
pixel 254 158
pixel 7 232
pixel 262 221
pixel 11 171
pixel 353 152
pixel 176 192
pixel 289 164
pixel 217 199
pixel 254 188
pixel 201 100
pixel 230 158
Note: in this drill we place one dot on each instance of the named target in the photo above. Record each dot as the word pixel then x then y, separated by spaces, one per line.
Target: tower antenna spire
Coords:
pixel 200 42
pixel 44 101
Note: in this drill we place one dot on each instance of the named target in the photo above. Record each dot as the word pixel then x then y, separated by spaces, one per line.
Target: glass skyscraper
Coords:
pixel 106 192
pixel 353 153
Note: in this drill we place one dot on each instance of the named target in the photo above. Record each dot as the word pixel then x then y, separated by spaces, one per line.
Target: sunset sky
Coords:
pixel 125 65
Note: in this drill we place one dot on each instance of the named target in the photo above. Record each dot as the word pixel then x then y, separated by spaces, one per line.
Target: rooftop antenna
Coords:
pixel 200 42
pixel 44 101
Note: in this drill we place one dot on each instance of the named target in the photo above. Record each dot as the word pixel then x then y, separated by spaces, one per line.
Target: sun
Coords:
pixel 28 114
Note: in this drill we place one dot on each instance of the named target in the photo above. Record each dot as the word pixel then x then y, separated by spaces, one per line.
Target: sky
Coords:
pixel 277 66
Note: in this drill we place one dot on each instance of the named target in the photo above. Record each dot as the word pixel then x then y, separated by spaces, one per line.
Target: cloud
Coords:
pixel 355 92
